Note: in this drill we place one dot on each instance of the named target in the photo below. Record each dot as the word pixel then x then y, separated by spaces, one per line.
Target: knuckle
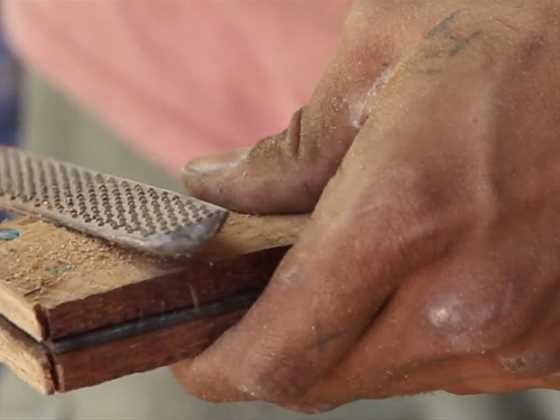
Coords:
pixel 420 215
pixel 468 312
pixel 285 145
pixel 461 327
pixel 436 195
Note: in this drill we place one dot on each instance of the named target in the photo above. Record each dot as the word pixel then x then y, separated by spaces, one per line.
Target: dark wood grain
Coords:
pixel 193 282
pixel 98 364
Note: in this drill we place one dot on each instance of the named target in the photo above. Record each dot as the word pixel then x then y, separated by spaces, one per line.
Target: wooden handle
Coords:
pixel 244 234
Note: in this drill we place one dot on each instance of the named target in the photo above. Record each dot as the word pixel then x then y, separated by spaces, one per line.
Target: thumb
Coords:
pixel 286 173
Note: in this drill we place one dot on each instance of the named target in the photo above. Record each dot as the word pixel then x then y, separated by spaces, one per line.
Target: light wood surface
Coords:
pixel 26 358
pixel 243 234
pixel 56 282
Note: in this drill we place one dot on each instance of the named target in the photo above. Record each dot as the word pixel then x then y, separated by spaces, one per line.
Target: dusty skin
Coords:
pixel 430 156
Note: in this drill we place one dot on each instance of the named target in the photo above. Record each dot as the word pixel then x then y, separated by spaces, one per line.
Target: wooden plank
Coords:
pixel 57 285
pixel 56 282
pixel 91 366
pixel 48 372
pixel 26 358
pixel 244 234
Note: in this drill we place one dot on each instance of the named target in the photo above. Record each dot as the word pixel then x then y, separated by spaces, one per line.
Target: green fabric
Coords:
pixel 57 126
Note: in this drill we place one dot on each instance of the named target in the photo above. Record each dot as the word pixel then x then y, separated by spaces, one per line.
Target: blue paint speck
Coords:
pixel 8 234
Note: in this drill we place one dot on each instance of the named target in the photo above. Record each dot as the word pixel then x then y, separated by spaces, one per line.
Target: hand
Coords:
pixel 430 156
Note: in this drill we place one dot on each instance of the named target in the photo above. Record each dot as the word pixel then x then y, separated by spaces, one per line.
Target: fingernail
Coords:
pixel 215 163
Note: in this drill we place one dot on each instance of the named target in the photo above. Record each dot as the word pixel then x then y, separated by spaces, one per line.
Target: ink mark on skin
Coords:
pixel 443 26
pixel 323 339
pixel 462 43
pixel 443 43
pixel 444 30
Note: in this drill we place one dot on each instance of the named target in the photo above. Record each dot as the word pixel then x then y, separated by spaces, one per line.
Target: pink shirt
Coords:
pixel 179 78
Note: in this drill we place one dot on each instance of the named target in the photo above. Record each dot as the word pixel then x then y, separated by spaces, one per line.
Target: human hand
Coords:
pixel 430 156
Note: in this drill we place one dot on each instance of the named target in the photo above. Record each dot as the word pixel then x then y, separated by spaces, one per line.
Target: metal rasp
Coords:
pixel 130 213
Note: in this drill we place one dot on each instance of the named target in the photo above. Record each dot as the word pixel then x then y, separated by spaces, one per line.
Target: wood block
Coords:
pixel 56 282
pixel 163 347
pixel 26 358
pixel 49 372
pixel 58 286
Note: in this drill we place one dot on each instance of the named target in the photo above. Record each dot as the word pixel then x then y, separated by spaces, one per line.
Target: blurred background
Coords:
pixel 54 102
pixel 9 82
pixel 8 94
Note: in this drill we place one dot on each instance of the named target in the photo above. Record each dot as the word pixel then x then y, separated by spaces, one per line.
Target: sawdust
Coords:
pixel 31 268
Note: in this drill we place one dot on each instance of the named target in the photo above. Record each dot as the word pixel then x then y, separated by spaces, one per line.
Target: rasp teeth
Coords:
pixel 121 210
